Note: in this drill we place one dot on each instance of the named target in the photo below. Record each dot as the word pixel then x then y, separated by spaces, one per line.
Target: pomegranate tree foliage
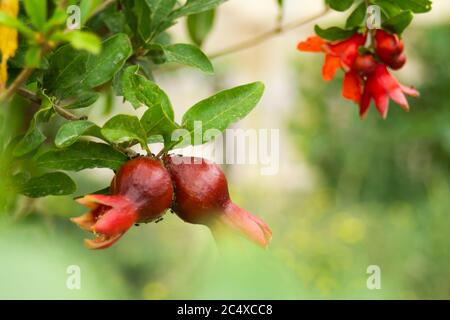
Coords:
pixel 396 16
pixel 115 52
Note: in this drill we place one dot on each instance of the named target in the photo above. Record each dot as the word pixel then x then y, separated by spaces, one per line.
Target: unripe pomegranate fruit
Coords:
pixel 141 191
pixel 201 197
pixel 389 48
pixel 365 64
pixel 398 62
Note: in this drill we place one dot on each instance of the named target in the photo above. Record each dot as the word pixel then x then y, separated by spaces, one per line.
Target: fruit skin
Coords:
pixel 141 191
pixel 398 62
pixel 365 64
pixel 201 197
pixel 390 49
pixel 147 183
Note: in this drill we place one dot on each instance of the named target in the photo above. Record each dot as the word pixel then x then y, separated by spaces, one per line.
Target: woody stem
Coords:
pixel 20 79
pixel 267 35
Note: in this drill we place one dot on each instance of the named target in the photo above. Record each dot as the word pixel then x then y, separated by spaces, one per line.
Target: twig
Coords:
pixel 66 114
pixel 267 35
pixel 102 7
pixel 169 147
pixel 127 151
pixel 20 79
pixel 27 94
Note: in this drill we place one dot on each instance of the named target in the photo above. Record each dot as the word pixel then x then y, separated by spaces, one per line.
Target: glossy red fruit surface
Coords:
pixel 388 47
pixel 141 191
pixel 201 197
pixel 398 62
pixel 365 64
pixel 146 183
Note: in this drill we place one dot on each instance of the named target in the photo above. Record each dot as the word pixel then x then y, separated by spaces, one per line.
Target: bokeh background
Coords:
pixel 349 193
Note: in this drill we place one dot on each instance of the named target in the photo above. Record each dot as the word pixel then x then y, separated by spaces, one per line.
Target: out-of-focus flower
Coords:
pixel 341 54
pixel 366 74
pixel 8 39
pixel 389 49
pixel 381 86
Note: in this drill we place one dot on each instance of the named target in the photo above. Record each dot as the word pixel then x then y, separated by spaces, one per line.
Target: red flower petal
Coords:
pixel 330 66
pixel 364 103
pixel 246 224
pixel 410 91
pixel 382 104
pixel 312 44
pixel 347 50
pixel 110 217
pixel 352 86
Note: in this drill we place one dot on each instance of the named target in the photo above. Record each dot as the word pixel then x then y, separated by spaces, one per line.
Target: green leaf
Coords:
pixel 105 191
pixel 87 7
pixel 129 86
pixel 55 183
pixel 221 110
pixel 339 5
pixel 399 23
pixel 8 21
pixel 102 68
pixel 34 137
pixel 71 131
pixel 159 118
pixel 158 121
pixel 59 17
pixel 388 7
pixel 189 55
pixel 72 72
pixel 81 40
pixel 333 33
pixel 84 100
pixel 37 12
pixel 124 128
pixel 199 26
pixel 357 17
pixel 31 141
pixel 82 155
pixel 416 6
pixel 33 57
pixel 67 70
pixel 194 7
pixel 160 10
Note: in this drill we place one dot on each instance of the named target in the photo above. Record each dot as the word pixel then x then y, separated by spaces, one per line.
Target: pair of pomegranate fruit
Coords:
pixel 144 188
pixel 389 49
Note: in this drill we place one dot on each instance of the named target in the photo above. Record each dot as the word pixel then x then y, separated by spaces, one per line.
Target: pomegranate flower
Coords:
pixel 141 191
pixel 389 49
pixel 201 197
pixel 381 86
pixel 340 54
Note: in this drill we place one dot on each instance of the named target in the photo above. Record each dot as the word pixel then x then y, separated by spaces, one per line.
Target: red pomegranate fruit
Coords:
pixel 201 197
pixel 141 191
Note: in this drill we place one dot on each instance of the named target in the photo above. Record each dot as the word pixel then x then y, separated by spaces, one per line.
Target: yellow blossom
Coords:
pixel 8 39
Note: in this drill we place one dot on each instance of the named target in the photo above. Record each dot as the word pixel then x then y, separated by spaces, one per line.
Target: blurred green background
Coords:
pixel 381 197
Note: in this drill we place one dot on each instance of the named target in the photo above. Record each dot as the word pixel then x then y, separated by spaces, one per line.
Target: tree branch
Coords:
pixel 20 79
pixel 66 114
pixel 27 94
pixel 102 7
pixel 267 35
